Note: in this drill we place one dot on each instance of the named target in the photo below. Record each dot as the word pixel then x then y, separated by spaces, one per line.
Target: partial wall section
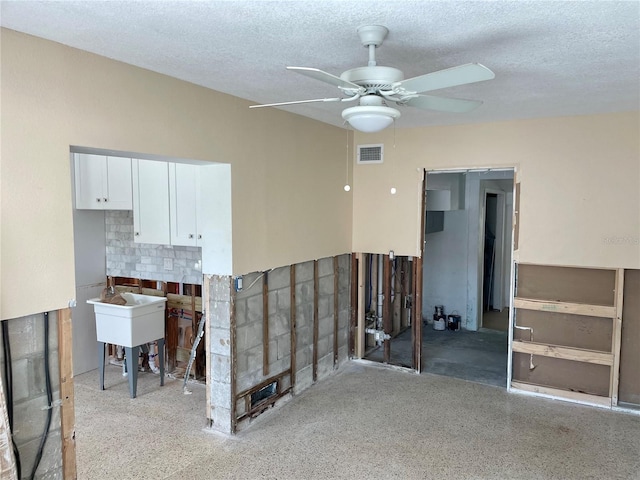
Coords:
pixel 23 359
pixel 567 332
pixel 291 330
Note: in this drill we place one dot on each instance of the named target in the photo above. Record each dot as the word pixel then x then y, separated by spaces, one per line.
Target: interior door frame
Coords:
pixel 417 273
pixel 500 253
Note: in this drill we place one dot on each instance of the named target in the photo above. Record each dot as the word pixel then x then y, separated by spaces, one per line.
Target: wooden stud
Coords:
pixel 234 355
pixel 315 320
pixel 565 307
pixel 206 293
pixel 353 311
pixel 336 293
pixel 417 314
pixel 417 282
pixel 67 407
pixel 294 345
pixel 387 321
pixel 565 353
pixel 265 324
pixel 616 337
pixel 183 302
pixel 564 394
pixel 172 334
pixel 360 337
pixel 396 305
pixel 406 280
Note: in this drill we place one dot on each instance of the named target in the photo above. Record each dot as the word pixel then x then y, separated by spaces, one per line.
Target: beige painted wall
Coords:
pixel 580 185
pixel 287 171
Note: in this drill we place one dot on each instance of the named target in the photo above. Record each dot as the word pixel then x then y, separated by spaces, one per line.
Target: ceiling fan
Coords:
pixel 375 86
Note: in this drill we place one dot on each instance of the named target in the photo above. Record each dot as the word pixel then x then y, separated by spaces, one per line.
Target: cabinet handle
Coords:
pixel 98 200
pixel 137 234
pixel 106 200
pixel 191 235
pixel 199 236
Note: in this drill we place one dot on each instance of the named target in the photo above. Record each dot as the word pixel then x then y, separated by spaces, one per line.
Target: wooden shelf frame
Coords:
pixel 610 359
pixel 565 307
pixel 565 353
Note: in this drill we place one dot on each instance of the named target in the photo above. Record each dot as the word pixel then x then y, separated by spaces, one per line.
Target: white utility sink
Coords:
pixel 140 321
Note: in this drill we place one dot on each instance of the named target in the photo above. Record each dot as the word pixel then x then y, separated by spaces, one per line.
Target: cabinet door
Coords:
pixel 119 188
pixel 183 181
pixel 150 202
pixel 90 176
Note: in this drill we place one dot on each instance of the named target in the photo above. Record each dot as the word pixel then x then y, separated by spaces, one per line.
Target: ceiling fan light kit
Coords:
pixel 370 119
pixel 374 86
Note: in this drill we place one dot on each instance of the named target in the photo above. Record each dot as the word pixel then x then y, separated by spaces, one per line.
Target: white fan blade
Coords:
pixel 450 77
pixel 296 102
pixel 441 104
pixel 325 77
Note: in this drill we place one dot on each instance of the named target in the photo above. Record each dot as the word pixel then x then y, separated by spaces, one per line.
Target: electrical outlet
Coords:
pixel 168 264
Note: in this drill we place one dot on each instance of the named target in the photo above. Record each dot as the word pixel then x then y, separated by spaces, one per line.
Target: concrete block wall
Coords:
pixel 218 308
pixel 125 258
pixel 26 336
pixel 249 323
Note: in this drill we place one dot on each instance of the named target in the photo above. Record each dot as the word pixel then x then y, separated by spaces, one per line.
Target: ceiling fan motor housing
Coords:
pixel 373 78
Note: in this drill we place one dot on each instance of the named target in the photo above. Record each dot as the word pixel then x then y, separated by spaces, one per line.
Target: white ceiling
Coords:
pixel 550 58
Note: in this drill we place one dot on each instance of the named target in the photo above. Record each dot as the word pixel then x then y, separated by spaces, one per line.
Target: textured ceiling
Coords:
pixel 550 58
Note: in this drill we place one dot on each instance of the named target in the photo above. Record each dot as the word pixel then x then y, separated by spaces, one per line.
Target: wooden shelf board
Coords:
pixel 566 353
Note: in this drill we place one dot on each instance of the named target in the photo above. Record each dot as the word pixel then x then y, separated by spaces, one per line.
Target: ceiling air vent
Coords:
pixel 370 153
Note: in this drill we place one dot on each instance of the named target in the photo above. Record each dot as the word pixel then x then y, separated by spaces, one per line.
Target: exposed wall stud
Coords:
pixel 67 409
pixel 294 347
pixel 206 294
pixel 616 339
pixel 360 337
pixel 265 324
pixel 315 320
pixel 234 355
pixel 353 312
pixel 336 288
pixel 387 320
pixel 417 314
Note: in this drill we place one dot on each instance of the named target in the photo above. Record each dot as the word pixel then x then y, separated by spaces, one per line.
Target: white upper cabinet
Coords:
pixel 184 197
pixel 102 182
pixel 151 202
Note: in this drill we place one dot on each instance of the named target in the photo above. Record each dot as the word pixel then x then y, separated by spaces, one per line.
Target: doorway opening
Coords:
pixel 466 274
pixel 113 194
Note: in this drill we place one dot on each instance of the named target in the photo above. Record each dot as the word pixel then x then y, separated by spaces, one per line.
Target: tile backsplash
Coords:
pixel 125 258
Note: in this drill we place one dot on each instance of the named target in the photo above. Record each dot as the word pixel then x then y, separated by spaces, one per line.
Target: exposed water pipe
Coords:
pixel 531 365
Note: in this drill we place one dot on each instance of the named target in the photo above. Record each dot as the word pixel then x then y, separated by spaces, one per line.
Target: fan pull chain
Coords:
pixel 347 187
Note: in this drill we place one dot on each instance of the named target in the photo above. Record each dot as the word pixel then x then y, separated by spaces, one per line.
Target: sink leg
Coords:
pixel 161 358
pixel 101 363
pixel 132 368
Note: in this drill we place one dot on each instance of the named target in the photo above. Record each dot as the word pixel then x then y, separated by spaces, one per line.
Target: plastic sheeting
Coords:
pixel 7 462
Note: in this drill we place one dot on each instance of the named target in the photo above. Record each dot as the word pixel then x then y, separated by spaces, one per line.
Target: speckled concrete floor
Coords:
pixel 364 422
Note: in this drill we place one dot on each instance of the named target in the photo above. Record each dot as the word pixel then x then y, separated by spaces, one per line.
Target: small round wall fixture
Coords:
pixel 347 187
pixel 369 118
pixel 393 190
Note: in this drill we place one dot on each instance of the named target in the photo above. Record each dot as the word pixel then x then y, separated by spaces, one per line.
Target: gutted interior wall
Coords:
pixel 26 345
pixel 580 185
pixel 287 171
pixel 302 338
pixel 567 335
